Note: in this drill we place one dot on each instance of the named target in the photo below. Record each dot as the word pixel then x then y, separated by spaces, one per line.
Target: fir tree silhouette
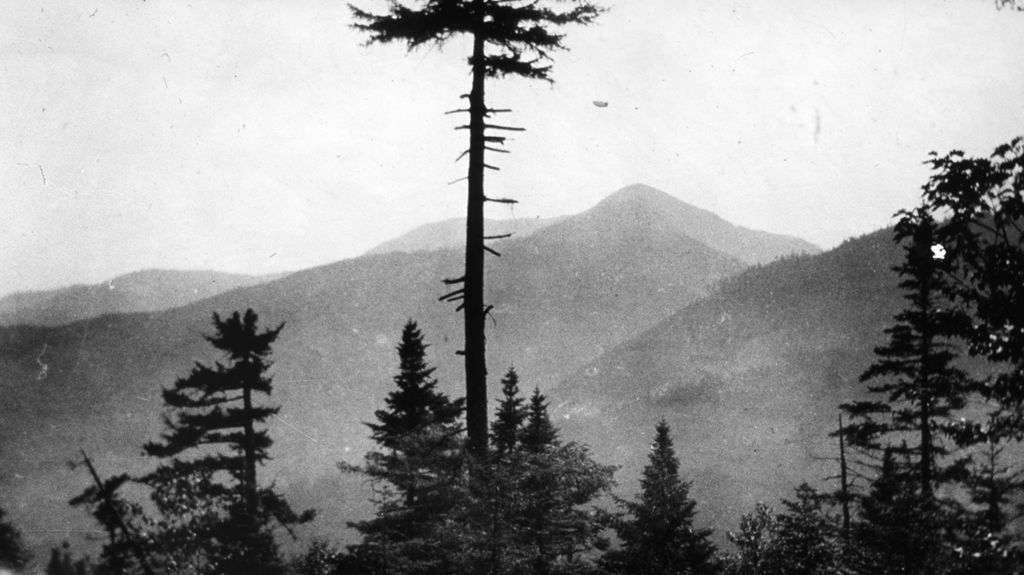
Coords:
pixel 658 535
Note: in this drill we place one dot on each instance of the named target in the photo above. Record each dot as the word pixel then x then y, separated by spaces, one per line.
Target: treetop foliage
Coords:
pixel 519 30
pixel 507 428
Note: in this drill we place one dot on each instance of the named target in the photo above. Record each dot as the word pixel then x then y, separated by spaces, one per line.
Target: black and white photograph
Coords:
pixel 503 287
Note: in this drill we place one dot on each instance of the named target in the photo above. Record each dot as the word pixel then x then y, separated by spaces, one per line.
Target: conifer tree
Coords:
pixel 658 535
pixel 921 389
pixel 805 539
pixel 497 507
pixel 987 539
pixel 560 480
pixel 539 434
pixel 900 530
pixel 529 511
pixel 507 429
pixel 509 38
pixel 213 427
pixel 418 470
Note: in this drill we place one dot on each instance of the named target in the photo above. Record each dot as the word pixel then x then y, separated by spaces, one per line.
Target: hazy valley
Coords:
pixel 622 313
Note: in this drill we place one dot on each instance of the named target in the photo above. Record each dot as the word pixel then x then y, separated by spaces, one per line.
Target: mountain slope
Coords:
pixel 563 296
pixel 451 233
pixel 749 378
pixel 148 290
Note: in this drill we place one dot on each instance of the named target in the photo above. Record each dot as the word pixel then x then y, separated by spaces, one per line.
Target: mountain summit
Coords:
pixel 645 207
pixel 640 208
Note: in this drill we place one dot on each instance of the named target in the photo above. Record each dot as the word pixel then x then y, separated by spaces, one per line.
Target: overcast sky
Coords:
pixel 260 136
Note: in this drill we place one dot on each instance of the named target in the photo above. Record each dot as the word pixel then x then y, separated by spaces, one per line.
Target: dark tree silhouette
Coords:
pixel 988 541
pixel 805 539
pixel 417 471
pixel 510 38
pixel 507 429
pixel 529 509
pixel 921 389
pixel 13 553
pixel 559 479
pixel 982 200
pixel 215 419
pixel 899 530
pixel 658 535
pixel 124 551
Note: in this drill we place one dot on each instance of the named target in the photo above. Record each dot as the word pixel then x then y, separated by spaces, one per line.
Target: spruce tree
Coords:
pixel 539 434
pixel 529 509
pixel 987 539
pixel 418 471
pixel 805 541
pixel 495 510
pixel 899 530
pixel 921 388
pixel 214 427
pixel 559 481
pixel 658 535
pixel 507 429
pixel 509 38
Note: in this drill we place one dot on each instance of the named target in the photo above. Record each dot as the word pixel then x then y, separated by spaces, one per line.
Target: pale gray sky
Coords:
pixel 260 136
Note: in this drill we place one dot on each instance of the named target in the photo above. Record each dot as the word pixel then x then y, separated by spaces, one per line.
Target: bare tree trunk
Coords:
pixel 844 484
pixel 925 382
pixel 101 490
pixel 249 477
pixel 475 346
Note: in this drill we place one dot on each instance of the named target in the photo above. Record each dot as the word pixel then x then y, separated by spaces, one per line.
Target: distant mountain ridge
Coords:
pixel 563 296
pixel 640 205
pixel 451 233
pixel 142 291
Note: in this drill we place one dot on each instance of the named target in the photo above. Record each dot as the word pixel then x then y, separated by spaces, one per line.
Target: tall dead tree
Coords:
pixel 844 482
pixel 510 38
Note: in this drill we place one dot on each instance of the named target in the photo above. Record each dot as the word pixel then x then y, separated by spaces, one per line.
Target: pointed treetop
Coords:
pixel 540 434
pixel 415 403
pixel 663 455
pixel 507 428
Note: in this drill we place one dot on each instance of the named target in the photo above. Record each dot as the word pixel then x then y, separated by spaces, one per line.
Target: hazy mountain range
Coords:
pixel 623 313
pixel 147 290
pixel 749 378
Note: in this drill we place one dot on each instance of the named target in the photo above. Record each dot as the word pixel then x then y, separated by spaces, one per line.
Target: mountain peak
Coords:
pixel 639 192
pixel 640 205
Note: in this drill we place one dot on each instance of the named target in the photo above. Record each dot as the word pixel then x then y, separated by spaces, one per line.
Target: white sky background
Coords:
pixel 261 136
